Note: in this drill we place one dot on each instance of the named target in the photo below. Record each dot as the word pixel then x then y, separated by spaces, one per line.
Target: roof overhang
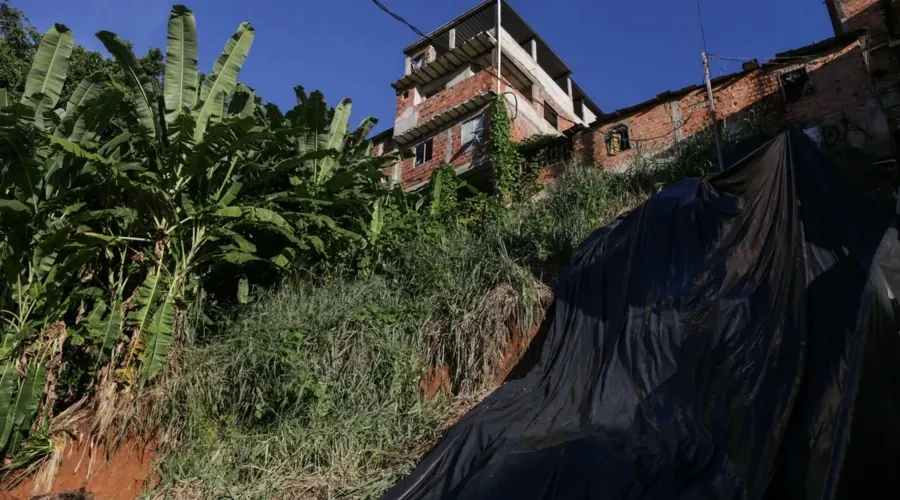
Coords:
pixel 421 42
pixel 578 93
pixel 444 118
pixel 464 54
pixel 514 23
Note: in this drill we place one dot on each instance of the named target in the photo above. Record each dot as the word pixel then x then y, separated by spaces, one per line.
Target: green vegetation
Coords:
pixel 315 392
pixel 505 157
pixel 181 258
pixel 110 231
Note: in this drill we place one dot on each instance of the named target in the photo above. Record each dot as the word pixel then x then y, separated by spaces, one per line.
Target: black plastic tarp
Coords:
pixel 735 336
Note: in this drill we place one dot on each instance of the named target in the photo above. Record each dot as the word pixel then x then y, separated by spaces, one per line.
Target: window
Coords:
pixel 417 62
pixel 473 131
pixel 795 84
pixel 551 116
pixel 424 151
pixel 432 89
pixel 617 140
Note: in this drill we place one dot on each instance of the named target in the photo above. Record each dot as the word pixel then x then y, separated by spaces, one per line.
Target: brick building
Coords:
pixel 449 81
pixel 880 22
pixel 842 91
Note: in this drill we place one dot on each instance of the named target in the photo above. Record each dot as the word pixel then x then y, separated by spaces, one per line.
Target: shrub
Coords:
pixel 315 391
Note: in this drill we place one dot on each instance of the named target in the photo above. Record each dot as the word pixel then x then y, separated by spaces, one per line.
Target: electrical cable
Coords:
pixel 431 40
pixel 676 128
pixel 436 43
pixel 702 29
pixel 517 103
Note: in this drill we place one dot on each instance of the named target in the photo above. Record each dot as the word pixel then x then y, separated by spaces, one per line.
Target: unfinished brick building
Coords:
pixel 841 91
pixel 449 81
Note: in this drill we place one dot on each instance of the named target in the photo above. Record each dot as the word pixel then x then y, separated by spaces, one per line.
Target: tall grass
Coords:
pixel 310 387
pixel 314 391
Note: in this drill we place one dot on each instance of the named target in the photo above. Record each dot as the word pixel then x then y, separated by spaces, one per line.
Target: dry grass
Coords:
pixel 314 392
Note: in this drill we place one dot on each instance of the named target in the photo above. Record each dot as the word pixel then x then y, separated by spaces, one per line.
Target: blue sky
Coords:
pixel 621 52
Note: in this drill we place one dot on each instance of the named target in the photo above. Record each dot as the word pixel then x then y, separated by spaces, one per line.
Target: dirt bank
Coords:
pixel 121 477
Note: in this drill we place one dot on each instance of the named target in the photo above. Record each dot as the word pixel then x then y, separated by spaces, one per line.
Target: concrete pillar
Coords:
pixel 569 86
pixel 677 122
pixel 396 174
pixel 448 147
pixel 452 42
pixel 534 49
pixel 408 68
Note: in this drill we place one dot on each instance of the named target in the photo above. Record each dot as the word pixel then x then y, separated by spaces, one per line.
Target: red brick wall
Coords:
pixel 653 124
pixel 413 175
pixel 841 82
pixel 479 83
pixel 840 79
pixel 860 14
pixel 405 100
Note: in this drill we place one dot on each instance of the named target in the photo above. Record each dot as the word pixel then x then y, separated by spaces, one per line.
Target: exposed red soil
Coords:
pixel 121 477
pixel 437 379
pixel 515 348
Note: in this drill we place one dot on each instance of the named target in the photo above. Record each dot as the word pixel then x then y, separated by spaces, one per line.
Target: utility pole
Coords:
pixel 499 43
pixel 712 112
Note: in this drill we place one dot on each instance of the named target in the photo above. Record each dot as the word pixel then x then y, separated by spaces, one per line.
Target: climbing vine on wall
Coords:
pixel 443 188
pixel 537 151
pixel 505 156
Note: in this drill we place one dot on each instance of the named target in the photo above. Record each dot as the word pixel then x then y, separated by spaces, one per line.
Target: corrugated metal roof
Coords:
pixel 484 16
pixel 460 56
pixel 442 119
pixel 384 134
pixel 444 29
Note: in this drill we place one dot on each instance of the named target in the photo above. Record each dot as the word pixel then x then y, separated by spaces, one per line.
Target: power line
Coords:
pixel 401 19
pixel 435 42
pixel 431 40
pixel 680 126
pixel 702 29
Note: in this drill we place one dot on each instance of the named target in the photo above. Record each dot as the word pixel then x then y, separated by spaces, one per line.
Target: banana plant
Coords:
pixel 47 75
pixel 183 94
pixel 334 192
pixel 45 224
pixel 108 232
pixel 184 159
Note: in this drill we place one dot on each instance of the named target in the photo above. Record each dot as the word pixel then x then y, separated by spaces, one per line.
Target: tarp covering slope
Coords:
pixel 735 336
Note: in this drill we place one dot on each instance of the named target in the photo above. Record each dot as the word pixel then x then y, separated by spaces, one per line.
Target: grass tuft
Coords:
pixel 314 391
